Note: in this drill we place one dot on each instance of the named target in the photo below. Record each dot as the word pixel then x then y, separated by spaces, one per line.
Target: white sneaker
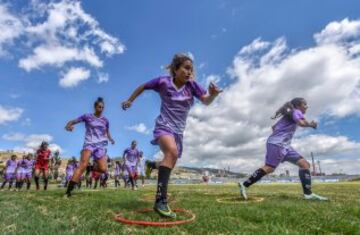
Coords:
pixel 314 196
pixel 243 190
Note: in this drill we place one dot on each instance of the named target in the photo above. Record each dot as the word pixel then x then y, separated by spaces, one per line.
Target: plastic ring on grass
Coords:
pixel 121 219
pixel 236 200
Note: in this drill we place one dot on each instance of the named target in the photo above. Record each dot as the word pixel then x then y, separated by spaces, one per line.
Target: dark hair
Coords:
pixel 288 108
pixel 44 143
pixel 99 100
pixel 177 61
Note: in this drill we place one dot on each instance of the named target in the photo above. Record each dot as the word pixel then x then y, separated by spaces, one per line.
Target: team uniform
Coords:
pixel 20 170
pixel 42 159
pixel 278 146
pixel 131 159
pixel 10 170
pixel 96 139
pixel 70 168
pixel 28 169
pixel 175 106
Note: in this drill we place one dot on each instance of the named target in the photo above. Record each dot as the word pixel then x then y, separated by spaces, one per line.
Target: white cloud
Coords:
pixel 14 137
pixel 74 76
pixel 9 114
pixel 140 128
pixel 31 142
pixel 56 34
pixel 103 77
pixel 233 130
pixel 10 27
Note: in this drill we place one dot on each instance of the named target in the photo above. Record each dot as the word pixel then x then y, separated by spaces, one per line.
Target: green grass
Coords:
pixel 283 211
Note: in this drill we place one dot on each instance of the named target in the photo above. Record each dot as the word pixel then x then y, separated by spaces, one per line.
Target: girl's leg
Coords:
pixel 169 148
pixel 4 183
pixel 28 183
pixel 84 160
pixel 46 179
pixel 258 174
pixel 36 178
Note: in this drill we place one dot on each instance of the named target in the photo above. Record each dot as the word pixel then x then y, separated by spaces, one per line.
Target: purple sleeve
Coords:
pixel 7 162
pixel 107 124
pixel 297 115
pixel 153 84
pixel 82 118
pixel 198 91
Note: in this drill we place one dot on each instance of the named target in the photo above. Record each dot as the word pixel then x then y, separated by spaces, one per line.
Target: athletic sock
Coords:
pixel 46 182
pixel 163 180
pixel 37 182
pixel 28 185
pixel 70 187
pixel 305 179
pixel 255 177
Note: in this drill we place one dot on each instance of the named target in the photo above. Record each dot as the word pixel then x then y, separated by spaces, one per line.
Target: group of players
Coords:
pixel 130 169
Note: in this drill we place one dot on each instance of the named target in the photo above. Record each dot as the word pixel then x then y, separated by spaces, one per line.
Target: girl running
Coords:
pixel 279 149
pixel 70 168
pixel 177 93
pixel 96 139
pixel 131 158
pixel 9 171
pixel 42 164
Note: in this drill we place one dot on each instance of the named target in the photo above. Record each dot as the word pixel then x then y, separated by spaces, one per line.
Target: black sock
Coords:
pixel 70 187
pixel 305 179
pixel 151 164
pixel 17 184
pixel 46 181
pixel 131 181
pixel 255 177
pixel 37 182
pixel 28 185
pixel 163 180
pixel 3 184
pixel 10 184
pixel 21 184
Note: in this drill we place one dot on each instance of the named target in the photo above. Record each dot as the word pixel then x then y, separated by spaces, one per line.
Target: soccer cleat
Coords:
pixel 315 197
pixel 242 191
pixel 162 208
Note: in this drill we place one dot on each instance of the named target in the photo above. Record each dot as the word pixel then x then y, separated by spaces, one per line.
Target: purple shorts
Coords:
pixel 276 154
pixel 98 151
pixel 130 168
pixel 20 174
pixel 28 175
pixel 158 132
pixel 68 177
pixel 9 176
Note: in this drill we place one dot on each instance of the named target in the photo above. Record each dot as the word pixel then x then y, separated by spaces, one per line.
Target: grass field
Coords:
pixel 283 211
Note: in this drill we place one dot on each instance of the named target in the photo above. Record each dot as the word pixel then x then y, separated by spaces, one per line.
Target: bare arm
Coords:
pixel 70 125
pixel 305 123
pixel 127 104
pixel 109 137
pixel 213 92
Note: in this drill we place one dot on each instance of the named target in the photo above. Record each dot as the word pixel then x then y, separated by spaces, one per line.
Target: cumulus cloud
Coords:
pixel 140 128
pixel 56 33
pixel 8 114
pixel 233 130
pixel 31 142
pixel 74 76
pixel 103 77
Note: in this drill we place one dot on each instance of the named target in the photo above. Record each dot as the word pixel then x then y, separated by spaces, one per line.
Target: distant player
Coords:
pixel 9 171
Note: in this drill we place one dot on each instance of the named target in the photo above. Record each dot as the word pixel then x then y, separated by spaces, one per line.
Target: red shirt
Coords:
pixel 43 156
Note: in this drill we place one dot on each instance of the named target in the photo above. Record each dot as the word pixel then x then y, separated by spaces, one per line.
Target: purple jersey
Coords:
pixel 11 166
pixel 29 164
pixel 70 168
pixel 131 155
pixel 175 103
pixel 21 164
pixel 96 128
pixel 284 129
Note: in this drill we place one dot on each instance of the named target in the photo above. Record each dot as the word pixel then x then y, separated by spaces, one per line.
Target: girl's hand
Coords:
pixel 125 105
pixel 69 127
pixel 213 89
pixel 313 124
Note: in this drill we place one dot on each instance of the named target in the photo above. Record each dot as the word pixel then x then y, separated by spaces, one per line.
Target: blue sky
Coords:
pixel 144 37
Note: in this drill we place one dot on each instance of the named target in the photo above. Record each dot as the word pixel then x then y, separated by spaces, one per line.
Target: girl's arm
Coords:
pixel 213 92
pixel 112 141
pixel 127 104
pixel 305 123
pixel 70 125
